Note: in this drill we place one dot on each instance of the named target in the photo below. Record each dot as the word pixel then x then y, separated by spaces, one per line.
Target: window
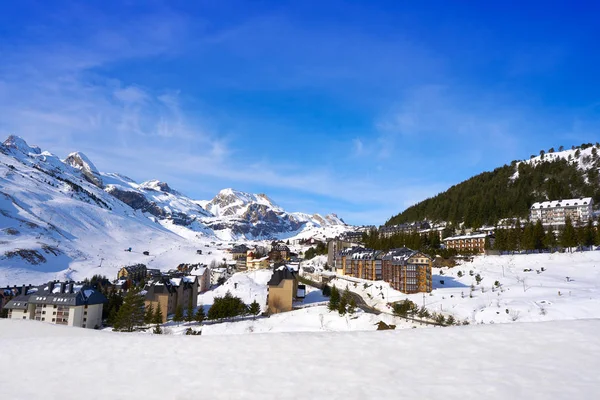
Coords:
pixel 24 317
pixel 53 319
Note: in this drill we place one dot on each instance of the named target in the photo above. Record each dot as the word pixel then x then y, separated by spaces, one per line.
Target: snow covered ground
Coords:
pixel 309 319
pixel 552 360
pixel 248 286
pixel 522 295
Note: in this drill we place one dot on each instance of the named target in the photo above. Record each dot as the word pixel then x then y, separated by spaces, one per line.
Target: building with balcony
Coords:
pixel 407 270
pixel 135 273
pixel 60 303
pixel 554 213
pixel 472 243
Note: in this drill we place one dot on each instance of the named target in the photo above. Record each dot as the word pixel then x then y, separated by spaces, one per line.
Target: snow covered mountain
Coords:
pixel 55 223
pixel 257 216
pixel 61 218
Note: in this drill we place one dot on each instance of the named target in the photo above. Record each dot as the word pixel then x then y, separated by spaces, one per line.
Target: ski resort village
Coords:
pixel 94 251
pixel 296 200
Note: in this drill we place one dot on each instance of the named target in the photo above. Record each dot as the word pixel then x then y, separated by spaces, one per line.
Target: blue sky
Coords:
pixel 358 108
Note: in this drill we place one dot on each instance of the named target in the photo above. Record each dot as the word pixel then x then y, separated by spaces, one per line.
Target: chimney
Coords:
pixel 70 287
pixel 62 287
pixel 50 286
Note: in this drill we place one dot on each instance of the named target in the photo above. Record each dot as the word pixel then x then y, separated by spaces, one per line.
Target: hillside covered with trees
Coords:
pixel 509 191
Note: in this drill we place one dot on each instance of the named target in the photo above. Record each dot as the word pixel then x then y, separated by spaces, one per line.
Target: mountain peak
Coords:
pixel 158 186
pixel 81 162
pixel 18 143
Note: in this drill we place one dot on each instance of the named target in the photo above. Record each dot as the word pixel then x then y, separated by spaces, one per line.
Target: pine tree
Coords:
pixel 352 306
pixel 550 239
pixel 254 308
pixel 131 314
pixel 589 235
pixel 149 316
pixel 343 302
pixel 200 316
pixel 189 314
pixel 528 240
pixel 334 299
pixel 158 315
pixel 178 317
pixel 568 237
pixel 538 235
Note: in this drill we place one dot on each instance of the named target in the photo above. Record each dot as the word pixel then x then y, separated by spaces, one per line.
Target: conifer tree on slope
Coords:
pixel 200 315
pixel 158 315
pixel 178 317
pixel 131 314
pixel 189 314
pixel 334 299
pixel 254 308
pixel 568 236
pixel 149 315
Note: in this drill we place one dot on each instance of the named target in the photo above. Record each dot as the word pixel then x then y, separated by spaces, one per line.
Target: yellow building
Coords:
pixel 283 290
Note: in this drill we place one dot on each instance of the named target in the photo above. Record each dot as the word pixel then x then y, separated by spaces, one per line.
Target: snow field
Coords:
pixel 528 296
pixel 553 360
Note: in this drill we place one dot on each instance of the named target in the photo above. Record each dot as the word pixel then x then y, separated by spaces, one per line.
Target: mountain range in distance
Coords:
pixel 59 218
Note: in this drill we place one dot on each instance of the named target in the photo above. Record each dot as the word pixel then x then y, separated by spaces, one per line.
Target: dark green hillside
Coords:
pixel 490 196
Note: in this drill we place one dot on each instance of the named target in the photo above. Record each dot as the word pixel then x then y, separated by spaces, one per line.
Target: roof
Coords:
pixel 59 293
pixel 582 201
pixel 135 268
pixel 242 248
pixel 260 259
pixel 199 271
pixel 280 274
pixel 470 236
pixel 280 247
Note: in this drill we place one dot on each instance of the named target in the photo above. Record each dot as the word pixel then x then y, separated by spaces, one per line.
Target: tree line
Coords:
pixel 528 236
pixel 133 313
pixel 533 236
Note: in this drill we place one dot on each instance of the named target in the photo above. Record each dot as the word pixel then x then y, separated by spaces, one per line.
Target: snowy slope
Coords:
pixel 64 218
pixel 555 360
pixel 57 224
pixel 585 159
pixel 523 294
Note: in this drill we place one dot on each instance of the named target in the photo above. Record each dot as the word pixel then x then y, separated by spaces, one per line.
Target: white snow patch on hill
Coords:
pixel 248 286
pixel 528 296
pixel 583 158
pixel 556 360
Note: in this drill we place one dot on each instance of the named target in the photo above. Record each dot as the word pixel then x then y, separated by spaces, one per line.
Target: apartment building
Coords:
pixel 136 273
pixel 170 292
pixel 60 303
pixel 363 263
pixel 407 270
pixel 279 251
pixel 472 243
pixel 555 212
pixel 388 231
pixel 334 246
